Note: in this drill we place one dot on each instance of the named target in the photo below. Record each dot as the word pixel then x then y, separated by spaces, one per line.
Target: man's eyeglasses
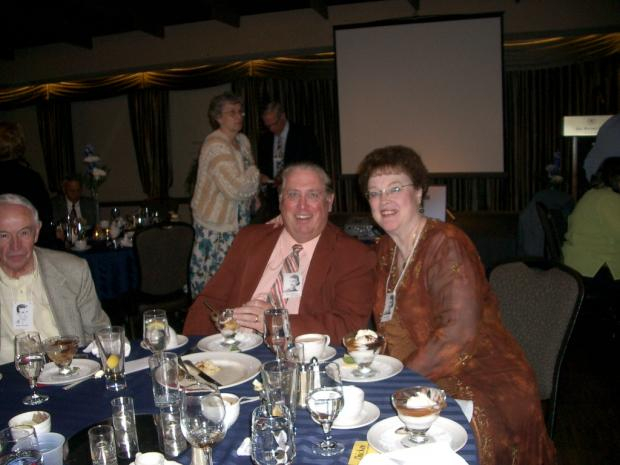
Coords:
pixel 388 192
pixel 311 196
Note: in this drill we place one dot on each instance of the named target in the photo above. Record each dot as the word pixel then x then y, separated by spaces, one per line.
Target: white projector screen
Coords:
pixel 433 84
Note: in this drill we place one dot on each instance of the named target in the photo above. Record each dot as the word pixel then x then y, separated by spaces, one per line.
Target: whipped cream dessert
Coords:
pixel 418 412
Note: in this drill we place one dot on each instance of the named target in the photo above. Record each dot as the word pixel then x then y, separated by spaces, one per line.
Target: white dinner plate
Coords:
pixel 235 368
pixel 181 341
pixel 49 375
pixel 370 412
pixel 246 340
pixel 384 365
pixel 383 438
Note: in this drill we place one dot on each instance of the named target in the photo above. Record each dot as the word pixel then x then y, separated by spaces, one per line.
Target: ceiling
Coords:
pixel 77 22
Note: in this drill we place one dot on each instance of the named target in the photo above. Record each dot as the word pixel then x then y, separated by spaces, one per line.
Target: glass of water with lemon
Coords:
pixel 111 344
pixel 156 331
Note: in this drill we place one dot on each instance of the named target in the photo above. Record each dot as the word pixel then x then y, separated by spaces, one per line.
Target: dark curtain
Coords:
pixel 56 134
pixel 148 112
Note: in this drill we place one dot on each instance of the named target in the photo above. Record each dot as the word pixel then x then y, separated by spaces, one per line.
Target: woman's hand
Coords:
pixel 250 315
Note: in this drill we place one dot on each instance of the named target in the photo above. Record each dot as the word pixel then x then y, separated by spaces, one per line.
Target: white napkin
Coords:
pixel 467 406
pixel 245 448
pixel 426 454
pixel 93 349
pixel 136 365
pixel 172 339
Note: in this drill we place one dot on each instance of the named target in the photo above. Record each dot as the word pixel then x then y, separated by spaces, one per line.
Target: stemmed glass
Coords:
pixel 202 421
pixel 156 331
pixel 61 350
pixel 227 326
pixel 363 351
pixel 277 331
pixel 29 360
pixel 324 402
pixel 418 407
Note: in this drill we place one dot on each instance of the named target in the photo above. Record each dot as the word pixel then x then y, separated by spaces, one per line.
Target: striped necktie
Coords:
pixel 73 212
pixel 278 157
pixel 290 265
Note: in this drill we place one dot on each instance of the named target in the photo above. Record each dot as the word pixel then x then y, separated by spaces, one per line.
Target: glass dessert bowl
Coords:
pixel 362 345
pixel 418 407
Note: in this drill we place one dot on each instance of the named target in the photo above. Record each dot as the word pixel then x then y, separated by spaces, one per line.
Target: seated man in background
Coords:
pixel 41 290
pixel 335 271
pixel 72 204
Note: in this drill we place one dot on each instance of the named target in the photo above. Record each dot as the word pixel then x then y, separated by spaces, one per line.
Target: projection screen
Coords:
pixel 433 84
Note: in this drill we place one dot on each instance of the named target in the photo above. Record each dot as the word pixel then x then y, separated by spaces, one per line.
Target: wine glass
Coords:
pixel 227 326
pixel 418 407
pixel 324 402
pixel 156 331
pixel 202 421
pixel 277 331
pixel 29 360
pixel 61 350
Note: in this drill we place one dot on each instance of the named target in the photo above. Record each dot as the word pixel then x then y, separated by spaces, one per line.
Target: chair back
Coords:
pixel 554 226
pixel 539 301
pixel 164 251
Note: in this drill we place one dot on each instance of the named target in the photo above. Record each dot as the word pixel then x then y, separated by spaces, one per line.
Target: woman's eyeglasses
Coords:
pixel 388 192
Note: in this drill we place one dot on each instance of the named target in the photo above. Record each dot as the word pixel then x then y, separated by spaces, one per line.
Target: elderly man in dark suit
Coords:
pixel 73 203
pixel 284 143
pixel 335 271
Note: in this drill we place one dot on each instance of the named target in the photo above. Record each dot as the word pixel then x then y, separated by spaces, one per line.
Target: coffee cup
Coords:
pixel 314 345
pixel 352 408
pixel 231 406
pixel 150 458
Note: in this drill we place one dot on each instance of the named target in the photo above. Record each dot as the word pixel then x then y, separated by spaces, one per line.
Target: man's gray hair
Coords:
pixel 275 107
pixel 306 165
pixel 15 199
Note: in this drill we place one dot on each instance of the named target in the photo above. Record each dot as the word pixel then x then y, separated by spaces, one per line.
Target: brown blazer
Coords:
pixel 337 295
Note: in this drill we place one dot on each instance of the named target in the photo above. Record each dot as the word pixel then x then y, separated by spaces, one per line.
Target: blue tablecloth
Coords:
pixel 89 403
pixel 114 271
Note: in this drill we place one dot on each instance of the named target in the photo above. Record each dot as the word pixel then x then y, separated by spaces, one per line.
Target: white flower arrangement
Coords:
pixel 96 173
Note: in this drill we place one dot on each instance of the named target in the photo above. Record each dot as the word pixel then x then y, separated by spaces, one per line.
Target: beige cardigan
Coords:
pixel 222 182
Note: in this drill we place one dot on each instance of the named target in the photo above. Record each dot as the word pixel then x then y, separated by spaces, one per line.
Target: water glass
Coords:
pixel 164 368
pixel 228 326
pixel 277 331
pixel 169 433
pixel 125 432
pixel 273 437
pixel 280 383
pixel 102 445
pixel 29 361
pixel 111 345
pixel 19 445
pixel 156 331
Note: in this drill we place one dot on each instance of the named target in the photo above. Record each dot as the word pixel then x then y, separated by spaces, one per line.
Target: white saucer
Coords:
pixel 246 340
pixel 383 438
pixel 181 341
pixel 76 249
pixel 384 365
pixel 370 412
pixel 328 353
pixel 49 375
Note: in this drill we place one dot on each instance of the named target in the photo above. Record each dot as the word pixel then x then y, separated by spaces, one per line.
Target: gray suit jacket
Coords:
pixel 88 208
pixel 71 294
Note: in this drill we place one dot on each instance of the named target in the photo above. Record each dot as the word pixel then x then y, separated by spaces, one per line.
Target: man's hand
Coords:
pixel 250 315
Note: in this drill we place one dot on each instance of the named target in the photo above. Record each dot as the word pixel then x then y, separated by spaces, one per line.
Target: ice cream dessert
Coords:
pixel 418 407
pixel 362 345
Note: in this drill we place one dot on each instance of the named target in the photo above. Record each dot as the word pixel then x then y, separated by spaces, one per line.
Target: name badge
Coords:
pixel 23 315
pixel 291 285
pixel 388 307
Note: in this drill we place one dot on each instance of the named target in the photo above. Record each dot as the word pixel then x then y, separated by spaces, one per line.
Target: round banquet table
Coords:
pixel 88 404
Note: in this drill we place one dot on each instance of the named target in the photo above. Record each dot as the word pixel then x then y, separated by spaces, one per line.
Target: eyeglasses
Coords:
pixel 388 192
pixel 311 196
pixel 234 113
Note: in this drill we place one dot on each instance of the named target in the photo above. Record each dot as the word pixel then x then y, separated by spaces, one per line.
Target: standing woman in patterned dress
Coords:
pixel 226 184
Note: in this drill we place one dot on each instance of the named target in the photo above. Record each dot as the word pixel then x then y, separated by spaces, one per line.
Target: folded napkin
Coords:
pixel 166 462
pixel 93 349
pixel 425 454
pixel 467 406
pixel 172 339
pixel 245 448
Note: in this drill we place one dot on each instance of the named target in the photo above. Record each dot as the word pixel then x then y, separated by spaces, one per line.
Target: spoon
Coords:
pixel 97 374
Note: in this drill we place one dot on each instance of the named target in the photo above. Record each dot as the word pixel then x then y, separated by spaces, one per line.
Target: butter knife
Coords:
pixel 198 373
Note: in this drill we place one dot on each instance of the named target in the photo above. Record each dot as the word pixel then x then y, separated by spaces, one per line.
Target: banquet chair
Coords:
pixel 539 302
pixel 554 226
pixel 163 253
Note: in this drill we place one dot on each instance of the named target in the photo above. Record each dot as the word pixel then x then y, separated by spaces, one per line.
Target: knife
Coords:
pixel 198 374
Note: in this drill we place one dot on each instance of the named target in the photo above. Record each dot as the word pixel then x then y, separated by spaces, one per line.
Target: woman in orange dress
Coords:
pixel 445 323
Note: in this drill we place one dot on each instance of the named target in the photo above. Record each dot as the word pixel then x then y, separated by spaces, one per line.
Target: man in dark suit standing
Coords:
pixel 72 203
pixel 284 143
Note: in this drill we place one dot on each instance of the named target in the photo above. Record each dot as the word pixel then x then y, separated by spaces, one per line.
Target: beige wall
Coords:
pixel 294 31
